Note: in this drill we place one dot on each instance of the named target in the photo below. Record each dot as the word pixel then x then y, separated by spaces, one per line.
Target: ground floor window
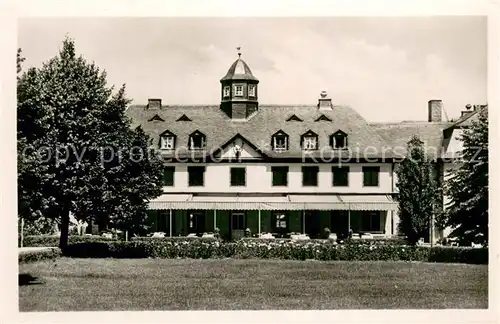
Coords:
pixel 196 222
pixel 238 221
pixel 280 222
pixel 370 221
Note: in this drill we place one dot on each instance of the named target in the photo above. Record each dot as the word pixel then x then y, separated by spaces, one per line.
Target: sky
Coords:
pixel 386 68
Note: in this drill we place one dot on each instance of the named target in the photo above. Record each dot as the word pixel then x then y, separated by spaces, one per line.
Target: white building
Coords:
pixel 281 169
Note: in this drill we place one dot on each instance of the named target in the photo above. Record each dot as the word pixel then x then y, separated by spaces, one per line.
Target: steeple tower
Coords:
pixel 239 90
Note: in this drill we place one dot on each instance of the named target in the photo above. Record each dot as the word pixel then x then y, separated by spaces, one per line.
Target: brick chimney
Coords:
pixel 435 108
pixel 154 103
pixel 324 103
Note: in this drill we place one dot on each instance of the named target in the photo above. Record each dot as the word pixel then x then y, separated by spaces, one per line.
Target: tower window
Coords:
pixel 227 91
pixel 280 142
pixel 197 141
pixel 238 90
pixel 251 90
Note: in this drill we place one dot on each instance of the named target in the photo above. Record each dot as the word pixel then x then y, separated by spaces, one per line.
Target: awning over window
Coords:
pixel 169 202
pixel 318 202
pixel 290 202
pixel 371 202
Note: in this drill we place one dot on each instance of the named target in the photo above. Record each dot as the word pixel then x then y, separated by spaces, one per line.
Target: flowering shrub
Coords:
pixel 274 249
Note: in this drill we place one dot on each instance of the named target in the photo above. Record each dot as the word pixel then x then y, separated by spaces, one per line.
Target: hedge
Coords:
pixel 379 241
pixel 276 249
pixel 53 240
pixel 33 256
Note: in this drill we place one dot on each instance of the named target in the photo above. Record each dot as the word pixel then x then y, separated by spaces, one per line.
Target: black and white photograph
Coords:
pixel 252 163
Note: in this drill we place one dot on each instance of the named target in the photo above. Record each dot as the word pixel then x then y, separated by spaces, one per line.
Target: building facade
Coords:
pixel 281 169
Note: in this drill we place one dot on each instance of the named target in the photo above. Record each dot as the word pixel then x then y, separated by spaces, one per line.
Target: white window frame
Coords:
pixel 251 90
pixel 236 92
pixel 167 142
pixel 191 143
pixel 309 143
pixel 227 91
pixel 282 147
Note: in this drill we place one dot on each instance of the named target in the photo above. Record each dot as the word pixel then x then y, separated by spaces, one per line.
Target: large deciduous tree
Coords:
pixel 67 121
pixel 467 185
pixel 418 192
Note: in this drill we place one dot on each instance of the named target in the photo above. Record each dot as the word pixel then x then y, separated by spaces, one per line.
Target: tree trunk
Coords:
pixel 63 240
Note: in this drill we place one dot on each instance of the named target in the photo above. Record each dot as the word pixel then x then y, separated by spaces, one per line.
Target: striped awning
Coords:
pixel 173 201
pixel 289 202
pixel 318 202
pixel 369 202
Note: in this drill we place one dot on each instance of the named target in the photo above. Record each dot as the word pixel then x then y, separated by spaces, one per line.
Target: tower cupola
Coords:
pixel 239 96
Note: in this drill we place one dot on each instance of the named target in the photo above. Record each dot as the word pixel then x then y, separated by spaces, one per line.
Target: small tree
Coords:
pixel 418 192
pixel 467 186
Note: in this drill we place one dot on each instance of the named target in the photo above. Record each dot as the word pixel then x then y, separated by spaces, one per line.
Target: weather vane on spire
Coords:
pixel 239 51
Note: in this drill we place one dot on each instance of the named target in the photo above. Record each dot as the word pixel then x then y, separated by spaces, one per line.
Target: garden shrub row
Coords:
pixel 380 241
pixel 53 240
pixel 33 256
pixel 277 249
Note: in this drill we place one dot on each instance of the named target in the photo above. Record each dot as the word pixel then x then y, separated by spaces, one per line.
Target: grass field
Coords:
pixel 166 284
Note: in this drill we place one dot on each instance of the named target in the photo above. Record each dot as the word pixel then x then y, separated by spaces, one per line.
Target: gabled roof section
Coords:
pixel 156 118
pixel 323 117
pixel 280 133
pixel 466 121
pixel 184 118
pixel 339 132
pixel 243 142
pixel 397 135
pixel 294 118
pixel 309 133
pixel 167 133
pixel 197 133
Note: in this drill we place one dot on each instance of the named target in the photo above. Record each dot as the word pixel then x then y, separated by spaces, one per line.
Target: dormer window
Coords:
pixel 323 118
pixel 167 141
pixel 156 118
pixel 197 141
pixel 251 90
pixel 294 118
pixel 238 90
pixel 338 140
pixel 184 118
pixel 227 91
pixel 280 142
pixel 309 141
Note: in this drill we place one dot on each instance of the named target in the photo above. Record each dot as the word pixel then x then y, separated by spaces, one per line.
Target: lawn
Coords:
pixel 186 284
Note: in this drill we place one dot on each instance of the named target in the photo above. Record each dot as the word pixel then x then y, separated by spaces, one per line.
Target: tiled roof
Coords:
pixel 467 120
pixel 397 135
pixel 239 70
pixel 364 139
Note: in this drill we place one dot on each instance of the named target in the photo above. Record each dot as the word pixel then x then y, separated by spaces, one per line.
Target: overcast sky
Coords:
pixel 385 68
